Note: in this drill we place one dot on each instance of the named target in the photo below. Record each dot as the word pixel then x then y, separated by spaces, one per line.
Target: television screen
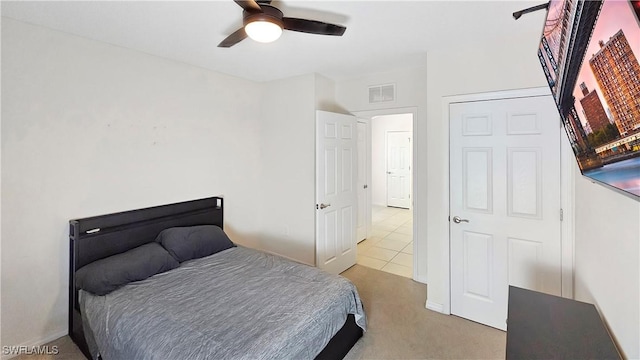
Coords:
pixel 589 52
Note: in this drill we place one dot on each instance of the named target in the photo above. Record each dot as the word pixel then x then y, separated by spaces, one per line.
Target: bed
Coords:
pixel 237 303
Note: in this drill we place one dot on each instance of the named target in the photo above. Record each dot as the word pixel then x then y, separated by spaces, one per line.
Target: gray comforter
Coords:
pixel 236 304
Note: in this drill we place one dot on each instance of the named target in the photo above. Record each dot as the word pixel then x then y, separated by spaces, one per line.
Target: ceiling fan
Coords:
pixel 264 23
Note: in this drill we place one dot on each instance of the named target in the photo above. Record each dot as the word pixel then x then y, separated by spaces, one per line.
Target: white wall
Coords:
pixel 380 125
pixel 607 259
pixel 287 168
pixel 325 95
pixel 288 171
pixel 411 90
pixel 89 128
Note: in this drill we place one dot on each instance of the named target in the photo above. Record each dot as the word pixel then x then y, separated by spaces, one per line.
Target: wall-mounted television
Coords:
pixel 589 52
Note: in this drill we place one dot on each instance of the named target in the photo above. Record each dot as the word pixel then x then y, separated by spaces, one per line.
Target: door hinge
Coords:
pixel 561 215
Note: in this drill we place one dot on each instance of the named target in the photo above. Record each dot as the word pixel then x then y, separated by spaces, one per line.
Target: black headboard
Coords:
pixel 98 237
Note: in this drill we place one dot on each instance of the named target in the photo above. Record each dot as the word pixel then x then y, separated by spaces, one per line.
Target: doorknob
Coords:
pixel 322 206
pixel 458 220
pixel 388 172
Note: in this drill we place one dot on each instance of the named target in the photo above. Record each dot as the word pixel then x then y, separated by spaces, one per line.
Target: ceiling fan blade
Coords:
pixel 313 26
pixel 234 38
pixel 249 5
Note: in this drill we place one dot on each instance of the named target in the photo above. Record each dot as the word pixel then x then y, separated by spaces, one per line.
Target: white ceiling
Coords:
pixel 380 36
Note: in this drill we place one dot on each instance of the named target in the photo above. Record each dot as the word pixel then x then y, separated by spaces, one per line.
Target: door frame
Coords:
pixel 567 203
pixel 418 257
pixel 367 175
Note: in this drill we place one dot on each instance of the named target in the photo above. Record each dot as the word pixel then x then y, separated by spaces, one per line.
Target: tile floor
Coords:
pixel 390 245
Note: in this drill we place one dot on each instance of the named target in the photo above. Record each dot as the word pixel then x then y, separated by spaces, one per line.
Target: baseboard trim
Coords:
pixel 420 279
pixel 37 342
pixel 434 306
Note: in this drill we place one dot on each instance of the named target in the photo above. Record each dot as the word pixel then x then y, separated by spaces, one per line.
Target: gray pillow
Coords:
pixel 193 242
pixel 103 276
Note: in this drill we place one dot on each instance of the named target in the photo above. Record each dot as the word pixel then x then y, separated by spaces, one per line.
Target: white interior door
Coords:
pixel 336 194
pixel 505 188
pixel 399 169
pixel 364 207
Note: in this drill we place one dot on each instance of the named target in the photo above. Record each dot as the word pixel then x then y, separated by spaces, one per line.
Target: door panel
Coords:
pixel 336 196
pixel 478 260
pixel 505 181
pixel 524 186
pixel 348 182
pixel 347 228
pixel 477 177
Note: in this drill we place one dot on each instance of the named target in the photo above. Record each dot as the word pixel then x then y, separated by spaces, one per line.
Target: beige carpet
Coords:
pixel 399 325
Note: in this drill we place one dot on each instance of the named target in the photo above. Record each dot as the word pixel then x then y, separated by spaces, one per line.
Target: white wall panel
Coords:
pixel 524 182
pixel 523 124
pixel 607 259
pixel 477 125
pixel 347 214
pixel 331 233
pixel 287 168
pixel 478 268
pixel 330 131
pixel 330 181
pixel 347 132
pixel 477 164
pixel 347 170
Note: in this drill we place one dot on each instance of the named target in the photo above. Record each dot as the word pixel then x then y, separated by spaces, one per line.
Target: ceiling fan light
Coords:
pixel 263 31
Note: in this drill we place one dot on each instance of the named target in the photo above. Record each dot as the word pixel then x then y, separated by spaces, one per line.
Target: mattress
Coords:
pixel 237 304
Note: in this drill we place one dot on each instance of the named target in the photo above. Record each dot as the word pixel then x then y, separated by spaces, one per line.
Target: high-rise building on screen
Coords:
pixel 617 72
pixel 594 112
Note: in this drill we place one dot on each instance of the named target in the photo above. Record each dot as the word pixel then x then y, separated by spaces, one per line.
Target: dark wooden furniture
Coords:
pixel 98 237
pixel 542 326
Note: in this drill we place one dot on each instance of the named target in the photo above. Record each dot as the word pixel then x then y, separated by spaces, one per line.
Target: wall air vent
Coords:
pixel 382 93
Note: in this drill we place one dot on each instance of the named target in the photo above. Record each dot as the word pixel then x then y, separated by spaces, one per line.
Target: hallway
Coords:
pixel 390 246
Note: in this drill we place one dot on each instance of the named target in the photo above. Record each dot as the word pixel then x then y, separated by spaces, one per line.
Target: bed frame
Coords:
pixel 98 237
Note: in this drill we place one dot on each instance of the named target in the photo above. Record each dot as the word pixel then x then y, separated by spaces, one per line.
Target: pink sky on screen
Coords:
pixel 615 15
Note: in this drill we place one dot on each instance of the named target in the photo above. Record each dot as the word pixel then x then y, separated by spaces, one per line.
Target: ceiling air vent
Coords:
pixel 382 93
